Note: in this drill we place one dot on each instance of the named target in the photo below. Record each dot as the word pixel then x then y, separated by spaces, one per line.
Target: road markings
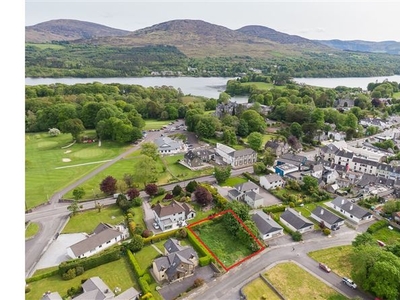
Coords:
pixel 89 163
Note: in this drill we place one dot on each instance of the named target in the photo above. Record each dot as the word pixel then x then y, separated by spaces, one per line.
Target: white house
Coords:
pixel 104 236
pixel 267 227
pixel 167 145
pixel 350 210
pixel 271 181
pixel 330 220
pixel 253 199
pixel 295 221
pixel 173 216
pixel 236 158
pixel 248 192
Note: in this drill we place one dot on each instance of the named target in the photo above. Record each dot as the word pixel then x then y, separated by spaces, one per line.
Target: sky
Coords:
pixel 356 20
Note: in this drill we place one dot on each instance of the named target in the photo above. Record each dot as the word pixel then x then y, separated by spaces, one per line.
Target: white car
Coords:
pixel 349 282
pixel 156 226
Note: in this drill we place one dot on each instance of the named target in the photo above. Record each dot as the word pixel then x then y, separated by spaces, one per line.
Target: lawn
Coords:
pixel 200 214
pixel 258 290
pixel 387 236
pixel 266 138
pixel 115 274
pixel 146 256
pixel 233 181
pixel 31 229
pixel 43 154
pixel 261 85
pixel 293 282
pixel 155 124
pixel 222 243
pixel 337 258
pixel 88 220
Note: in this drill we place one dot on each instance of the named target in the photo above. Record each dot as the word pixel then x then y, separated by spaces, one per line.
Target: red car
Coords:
pixel 324 267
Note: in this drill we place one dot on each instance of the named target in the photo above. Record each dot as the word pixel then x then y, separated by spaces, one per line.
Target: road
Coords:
pixel 228 285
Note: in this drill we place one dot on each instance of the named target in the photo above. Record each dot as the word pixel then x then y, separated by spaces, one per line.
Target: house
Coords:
pixel 382 125
pixel 253 199
pixel 277 147
pixel 271 181
pixel 344 157
pixel 236 158
pixel 295 221
pixel 178 262
pixel 103 236
pixel 329 175
pixel 350 210
pixel 364 165
pixel 267 227
pixel 316 170
pixel 248 192
pixel 166 145
pixel 328 152
pixel 343 103
pixel 51 296
pixel 330 220
pixel 196 158
pixel 291 158
pixel 95 289
pixel 285 169
pixel 173 215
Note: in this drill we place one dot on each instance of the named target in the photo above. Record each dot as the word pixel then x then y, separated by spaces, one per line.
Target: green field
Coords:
pixel 115 274
pixel 43 154
pixel 387 236
pixel 155 124
pixel 293 282
pixel 233 181
pixel 46 46
pixel 261 85
pixel 259 290
pixel 180 172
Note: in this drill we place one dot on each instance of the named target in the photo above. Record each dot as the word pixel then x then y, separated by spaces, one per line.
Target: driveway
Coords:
pixel 269 199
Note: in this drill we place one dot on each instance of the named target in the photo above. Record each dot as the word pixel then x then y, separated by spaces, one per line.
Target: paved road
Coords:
pixel 228 285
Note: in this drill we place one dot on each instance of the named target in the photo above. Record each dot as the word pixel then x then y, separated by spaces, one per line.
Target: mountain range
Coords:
pixel 196 38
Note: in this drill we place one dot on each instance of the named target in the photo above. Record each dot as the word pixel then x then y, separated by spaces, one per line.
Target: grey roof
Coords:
pixel 295 219
pixel 130 293
pixel 272 144
pixel 366 179
pixel 385 167
pixel 350 207
pixel 172 245
pixel 254 196
pixel 102 226
pixel 344 153
pixel 51 296
pixel 273 177
pixel 167 210
pixel 317 167
pixel 171 262
pixel 242 152
pixel 264 223
pixel 94 241
pixel 95 289
pixel 234 193
pixel 326 215
pixel 166 143
pixel 330 149
pixel 246 186
pixel 364 161
pixel 191 154
pixel 294 157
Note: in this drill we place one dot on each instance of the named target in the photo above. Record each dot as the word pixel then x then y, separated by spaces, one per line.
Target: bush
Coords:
pixel 144 285
pixel 377 226
pixel 198 282
pixel 135 265
pixel 147 296
pixel 147 233
pixel 275 209
pixel 41 276
pixel 161 236
pixel 79 270
pixel 296 236
pixel 70 274
pixel 160 191
pixel 181 233
pixel 27 289
pixel 147 277
pixel 137 202
pixel 326 231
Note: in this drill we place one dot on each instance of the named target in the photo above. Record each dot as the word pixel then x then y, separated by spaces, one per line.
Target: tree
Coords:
pixel 73 126
pixel 98 206
pixel 150 149
pixel 259 168
pixel 128 178
pixel 145 171
pixel 363 239
pixel 269 158
pixel 254 120
pixel 109 185
pixel 133 193
pixel 296 130
pixel 222 173
pixel 229 136
pixel 151 189
pixel 203 196
pixel 54 132
pixel 78 193
pixel 136 243
pixel 255 140
pixel 74 207
pixel 310 184
pixel 177 190
pixel 191 186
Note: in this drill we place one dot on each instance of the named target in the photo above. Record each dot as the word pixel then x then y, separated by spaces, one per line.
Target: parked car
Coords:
pixel 156 226
pixel 349 282
pixel 325 267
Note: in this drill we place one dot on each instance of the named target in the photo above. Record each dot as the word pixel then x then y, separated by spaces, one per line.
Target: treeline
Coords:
pixel 69 60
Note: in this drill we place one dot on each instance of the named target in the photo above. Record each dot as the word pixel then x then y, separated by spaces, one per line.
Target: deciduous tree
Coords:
pixel 203 196
pixel 151 189
pixel 109 185
pixel 78 193
pixel 255 140
pixel 133 193
pixel 222 173
pixel 149 149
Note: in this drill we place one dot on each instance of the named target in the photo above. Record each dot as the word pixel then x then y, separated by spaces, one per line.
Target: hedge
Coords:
pixel 41 276
pixel 147 296
pixel 88 263
pixel 204 261
pixel 274 209
pixel 144 285
pixel 161 236
pixel 197 245
pixel 377 226
pixel 135 265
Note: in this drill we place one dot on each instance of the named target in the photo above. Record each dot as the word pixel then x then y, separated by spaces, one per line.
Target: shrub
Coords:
pixel 144 285
pixel 198 282
pixel 296 236
pixel 137 202
pixel 132 226
pixel 147 233
pixel 147 296
pixel 161 236
pixel 27 289
pixel 181 233
pixel 160 191
pixel 79 270
pixel 70 274
pixel 168 196
pixel 147 277
pixel 135 265
pixel 377 226
pixel 136 244
pixel 326 231
pixel 139 229
pixel 131 211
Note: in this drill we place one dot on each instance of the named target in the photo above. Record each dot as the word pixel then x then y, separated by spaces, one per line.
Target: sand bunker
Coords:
pixel 68 151
pixel 66 160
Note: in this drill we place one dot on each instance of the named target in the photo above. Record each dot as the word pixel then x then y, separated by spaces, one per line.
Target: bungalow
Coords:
pixel 329 219
pixel 104 236
pixel 167 145
pixel 236 158
pixel 272 181
pixel 350 210
pixel 95 289
pixel 178 262
pixel 173 216
pixel 267 227
pixel 295 221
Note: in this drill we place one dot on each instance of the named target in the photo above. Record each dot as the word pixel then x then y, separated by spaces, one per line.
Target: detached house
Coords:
pixel 196 158
pixel 330 220
pixel 267 227
pixel 277 147
pixel 173 215
pixel 350 210
pixel 295 221
pixel 272 181
pixel 248 192
pixel 178 262
pixel 104 236
pixel 236 158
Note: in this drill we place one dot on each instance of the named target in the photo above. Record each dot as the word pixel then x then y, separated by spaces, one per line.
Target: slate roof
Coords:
pixel 130 293
pixel 344 153
pixel 350 207
pixel 172 245
pixel 242 152
pixel 365 161
pixel 167 210
pixel 327 216
pixel 329 149
pixel 254 196
pixel 94 240
pixel 294 157
pixel 171 262
pixel 234 193
pixel 246 186
pixel 166 143
pixel 293 218
pixel 95 289
pixel 273 177
pixel 51 296
pixel 385 167
pixel 191 154
pixel 264 223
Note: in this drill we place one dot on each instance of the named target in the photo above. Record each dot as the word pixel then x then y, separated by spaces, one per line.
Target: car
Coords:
pixel 324 267
pixel 349 282
pixel 156 226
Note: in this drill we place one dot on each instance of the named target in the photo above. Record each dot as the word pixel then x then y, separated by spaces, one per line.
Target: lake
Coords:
pixel 209 87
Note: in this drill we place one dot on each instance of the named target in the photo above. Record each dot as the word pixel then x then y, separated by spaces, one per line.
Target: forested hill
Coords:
pixel 68 30
pixel 390 47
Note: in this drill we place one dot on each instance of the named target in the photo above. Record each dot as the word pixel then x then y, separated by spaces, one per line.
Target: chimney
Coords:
pixel 351 207
pixel 322 211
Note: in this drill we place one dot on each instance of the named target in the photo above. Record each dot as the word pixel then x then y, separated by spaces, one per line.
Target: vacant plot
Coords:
pixel 115 274
pixel 88 220
pixel 387 236
pixel 234 181
pixel 43 154
pixel 222 243
pixel 337 258
pixel 292 281
pixel 258 290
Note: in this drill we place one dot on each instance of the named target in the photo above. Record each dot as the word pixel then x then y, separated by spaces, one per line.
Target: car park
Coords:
pixel 324 267
pixel 349 282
